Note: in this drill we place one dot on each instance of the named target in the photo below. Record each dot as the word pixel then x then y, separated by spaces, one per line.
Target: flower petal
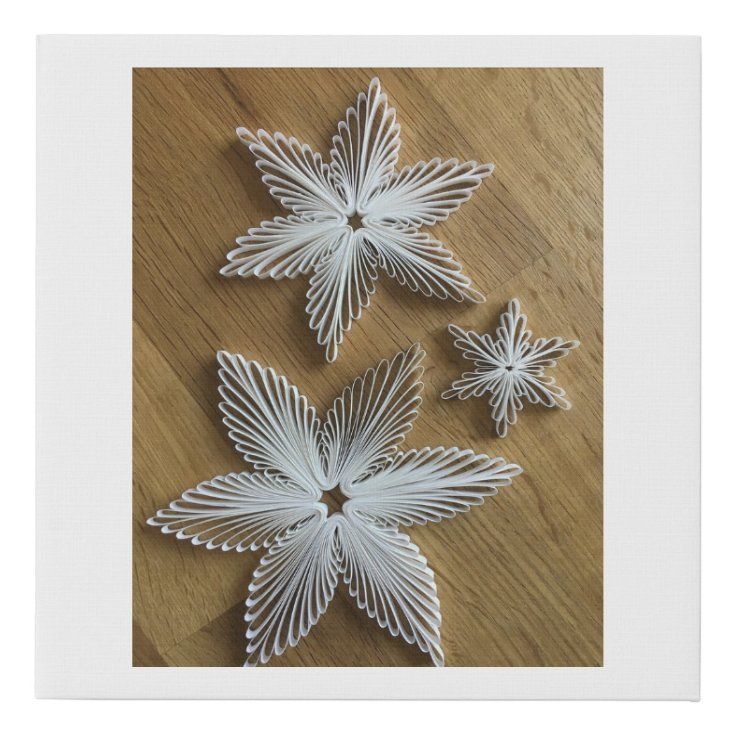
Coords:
pixel 472 383
pixel 285 247
pixel 540 389
pixel 479 348
pixel 505 401
pixel 371 417
pixel 392 582
pixel 426 192
pixel 340 288
pixel 291 588
pixel 513 337
pixel 429 485
pixel 295 175
pixel 365 149
pixel 420 262
pixel 270 422
pixel 237 511
pixel 544 353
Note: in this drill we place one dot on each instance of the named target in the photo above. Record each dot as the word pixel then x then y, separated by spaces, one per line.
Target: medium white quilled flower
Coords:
pixel 510 368
pixel 280 507
pixel 353 215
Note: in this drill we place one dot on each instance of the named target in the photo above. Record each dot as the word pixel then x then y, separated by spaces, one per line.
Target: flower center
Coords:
pixel 355 221
pixel 334 500
pixel 509 368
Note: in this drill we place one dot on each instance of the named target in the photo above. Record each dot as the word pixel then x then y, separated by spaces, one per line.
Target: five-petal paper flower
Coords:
pixel 354 215
pixel 297 458
pixel 510 368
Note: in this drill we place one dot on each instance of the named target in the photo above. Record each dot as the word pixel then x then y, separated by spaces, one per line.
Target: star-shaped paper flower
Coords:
pixel 510 368
pixel 297 458
pixel 353 215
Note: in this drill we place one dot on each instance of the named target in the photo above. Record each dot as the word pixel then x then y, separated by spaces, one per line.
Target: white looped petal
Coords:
pixel 271 423
pixel 510 368
pixel 427 192
pixel 365 149
pixel 429 485
pixel 292 588
pixel 285 247
pixel 237 511
pixel 370 418
pixel 295 175
pixel 340 288
pixel 423 264
pixel 392 582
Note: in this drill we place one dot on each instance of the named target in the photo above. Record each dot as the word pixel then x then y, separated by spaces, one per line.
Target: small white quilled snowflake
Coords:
pixel 510 368
pixel 354 215
pixel 280 507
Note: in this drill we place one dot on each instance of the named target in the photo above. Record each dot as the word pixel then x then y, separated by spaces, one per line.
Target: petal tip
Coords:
pixel 245 135
pixel 224 358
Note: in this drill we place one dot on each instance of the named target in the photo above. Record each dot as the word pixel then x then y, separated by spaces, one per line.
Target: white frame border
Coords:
pixel 652 368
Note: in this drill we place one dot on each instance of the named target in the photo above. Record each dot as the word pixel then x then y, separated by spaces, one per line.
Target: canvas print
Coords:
pixel 367 367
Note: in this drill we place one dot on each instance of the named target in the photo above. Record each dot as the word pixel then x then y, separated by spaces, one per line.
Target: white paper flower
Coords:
pixel 510 368
pixel 297 458
pixel 354 215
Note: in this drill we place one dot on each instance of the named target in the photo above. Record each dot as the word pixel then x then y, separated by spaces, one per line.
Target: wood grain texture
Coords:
pixel 520 579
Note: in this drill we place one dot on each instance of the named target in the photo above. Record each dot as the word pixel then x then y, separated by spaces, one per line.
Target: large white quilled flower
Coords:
pixel 297 459
pixel 354 215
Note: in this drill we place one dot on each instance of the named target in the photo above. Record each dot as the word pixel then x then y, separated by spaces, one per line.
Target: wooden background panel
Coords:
pixel 519 578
